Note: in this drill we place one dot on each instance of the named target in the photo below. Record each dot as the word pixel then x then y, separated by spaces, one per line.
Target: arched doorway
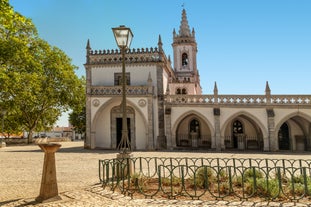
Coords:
pixel 116 126
pixel 283 136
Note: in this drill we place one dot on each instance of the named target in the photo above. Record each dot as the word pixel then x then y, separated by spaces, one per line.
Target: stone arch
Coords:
pixel 112 102
pixel 250 116
pixel 206 140
pixel 192 112
pixel 291 115
pixel 254 135
pixel 296 120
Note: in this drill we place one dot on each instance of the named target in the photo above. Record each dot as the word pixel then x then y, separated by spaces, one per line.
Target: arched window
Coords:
pixel 237 127
pixel 237 130
pixel 184 59
pixel 184 91
pixel 195 126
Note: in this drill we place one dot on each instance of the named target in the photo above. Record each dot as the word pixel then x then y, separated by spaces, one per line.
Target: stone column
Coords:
pixel 271 144
pixel 49 190
pixel 219 142
pixel 150 133
pixel 161 139
pixel 170 143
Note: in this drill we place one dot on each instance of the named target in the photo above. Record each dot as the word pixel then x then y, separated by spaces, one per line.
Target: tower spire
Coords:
pixel 184 30
pixel 268 90
pixel 215 89
pixel 160 43
pixel 88 45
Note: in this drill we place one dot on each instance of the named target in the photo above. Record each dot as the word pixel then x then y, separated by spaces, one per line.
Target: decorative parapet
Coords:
pixel 142 55
pixel 240 99
pixel 117 90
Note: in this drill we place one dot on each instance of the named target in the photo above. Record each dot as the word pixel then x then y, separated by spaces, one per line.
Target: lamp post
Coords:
pixel 123 36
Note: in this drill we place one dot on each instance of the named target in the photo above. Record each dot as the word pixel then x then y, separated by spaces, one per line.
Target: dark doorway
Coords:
pixel 119 130
pixel 283 135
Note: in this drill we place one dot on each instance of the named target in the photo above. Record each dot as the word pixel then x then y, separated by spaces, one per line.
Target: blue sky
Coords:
pixel 241 43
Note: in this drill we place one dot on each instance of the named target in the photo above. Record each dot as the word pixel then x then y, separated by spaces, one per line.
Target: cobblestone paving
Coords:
pixel 77 175
pixel 97 196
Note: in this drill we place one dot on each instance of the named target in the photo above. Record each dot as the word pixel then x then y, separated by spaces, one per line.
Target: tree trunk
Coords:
pixel 29 137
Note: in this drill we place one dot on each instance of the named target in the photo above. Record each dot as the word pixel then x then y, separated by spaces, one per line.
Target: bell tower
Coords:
pixel 185 58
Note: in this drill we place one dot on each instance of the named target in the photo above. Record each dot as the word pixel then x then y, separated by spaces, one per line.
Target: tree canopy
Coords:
pixel 37 80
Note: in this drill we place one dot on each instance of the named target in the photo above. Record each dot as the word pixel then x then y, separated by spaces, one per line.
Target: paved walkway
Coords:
pixel 77 168
pixel 97 196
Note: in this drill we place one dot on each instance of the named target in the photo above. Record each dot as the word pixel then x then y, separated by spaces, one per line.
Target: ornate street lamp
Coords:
pixel 123 36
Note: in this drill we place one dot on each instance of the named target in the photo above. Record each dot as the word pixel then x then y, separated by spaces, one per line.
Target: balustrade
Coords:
pixel 117 90
pixel 239 99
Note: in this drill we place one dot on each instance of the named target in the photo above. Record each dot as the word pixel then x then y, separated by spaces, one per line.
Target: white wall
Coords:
pixel 138 75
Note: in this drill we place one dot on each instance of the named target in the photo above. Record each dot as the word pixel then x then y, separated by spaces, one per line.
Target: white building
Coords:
pixel 166 110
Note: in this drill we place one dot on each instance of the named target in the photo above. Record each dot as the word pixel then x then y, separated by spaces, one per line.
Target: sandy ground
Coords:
pixel 77 168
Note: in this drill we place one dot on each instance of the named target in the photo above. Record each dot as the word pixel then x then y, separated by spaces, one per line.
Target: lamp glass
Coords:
pixel 123 36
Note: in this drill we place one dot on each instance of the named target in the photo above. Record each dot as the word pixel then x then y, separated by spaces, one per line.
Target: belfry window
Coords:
pixel 184 59
pixel 184 91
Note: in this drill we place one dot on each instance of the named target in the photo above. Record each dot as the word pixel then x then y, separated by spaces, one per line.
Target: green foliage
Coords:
pixel 77 117
pixel 172 180
pixel 252 173
pixel 203 177
pixel 299 185
pixel 139 180
pixel 37 81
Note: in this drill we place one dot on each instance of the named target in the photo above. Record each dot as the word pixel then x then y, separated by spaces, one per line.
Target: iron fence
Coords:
pixel 208 178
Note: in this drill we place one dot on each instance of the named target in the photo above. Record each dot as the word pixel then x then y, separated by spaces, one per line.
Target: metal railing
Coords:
pixel 208 178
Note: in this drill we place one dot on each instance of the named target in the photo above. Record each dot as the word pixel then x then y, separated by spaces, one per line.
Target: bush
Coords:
pixel 203 177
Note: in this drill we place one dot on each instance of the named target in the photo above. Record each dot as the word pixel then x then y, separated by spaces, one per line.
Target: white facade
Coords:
pixel 166 110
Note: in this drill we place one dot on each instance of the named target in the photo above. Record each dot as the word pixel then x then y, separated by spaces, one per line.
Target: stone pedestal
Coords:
pixel 49 190
pixel 124 167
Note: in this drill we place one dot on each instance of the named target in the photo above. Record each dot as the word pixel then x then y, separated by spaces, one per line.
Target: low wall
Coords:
pixel 22 141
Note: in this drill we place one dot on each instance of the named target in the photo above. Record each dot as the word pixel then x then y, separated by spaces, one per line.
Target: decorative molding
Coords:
pixel 142 55
pixel 216 111
pixel 96 102
pixel 282 100
pixel 117 90
pixel 270 113
pixel 142 103
pixel 168 111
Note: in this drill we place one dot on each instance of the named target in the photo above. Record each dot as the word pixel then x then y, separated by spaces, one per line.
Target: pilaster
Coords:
pixel 218 141
pixel 161 139
pixel 150 132
pixel 168 129
pixel 87 141
pixel 271 144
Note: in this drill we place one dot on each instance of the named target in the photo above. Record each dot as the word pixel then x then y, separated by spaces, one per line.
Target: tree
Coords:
pixel 37 81
pixel 78 120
